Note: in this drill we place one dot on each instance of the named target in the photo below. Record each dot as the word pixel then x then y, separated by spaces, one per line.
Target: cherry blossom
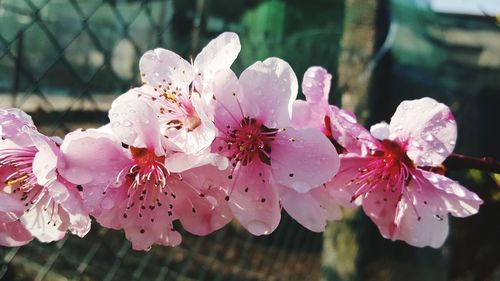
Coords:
pixel 135 183
pixel 179 93
pixel 35 200
pixel 393 173
pixel 270 160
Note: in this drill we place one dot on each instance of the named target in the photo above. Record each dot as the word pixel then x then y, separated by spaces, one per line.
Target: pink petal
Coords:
pixel 218 54
pixel 316 85
pixel 342 186
pixel 12 124
pixel 253 200
pixel 228 98
pixel 202 207
pixel 135 122
pixel 92 156
pixel 429 129
pixel 380 130
pixel 13 234
pixel 385 210
pixel 159 66
pixel 422 230
pixel 440 194
pixel 269 87
pixel 350 134
pixel 305 208
pixel 180 162
pixel 328 202
pixel 194 141
pixel 46 159
pixel 79 220
pixel 39 222
pixel 303 159
pixel 301 117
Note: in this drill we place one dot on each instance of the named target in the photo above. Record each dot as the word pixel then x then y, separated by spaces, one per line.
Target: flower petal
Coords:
pixel 201 204
pixel 343 186
pixel 253 200
pixel 45 225
pixel 228 98
pixel 429 129
pixel 270 88
pixel 440 194
pixel 218 54
pixel 304 208
pixel 303 159
pixel 301 117
pixel 316 85
pixel 13 234
pixel 135 122
pixel 423 230
pixel 350 134
pixel 92 156
pixel 160 66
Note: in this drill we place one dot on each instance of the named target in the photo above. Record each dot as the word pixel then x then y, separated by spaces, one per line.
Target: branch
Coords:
pixel 458 162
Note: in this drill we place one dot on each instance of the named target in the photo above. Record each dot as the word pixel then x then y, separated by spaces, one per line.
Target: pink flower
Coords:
pixel 131 181
pixel 178 91
pixel 271 161
pixel 36 201
pixel 389 173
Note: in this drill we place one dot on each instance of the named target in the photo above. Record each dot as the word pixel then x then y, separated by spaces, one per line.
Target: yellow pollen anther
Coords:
pixel 14 181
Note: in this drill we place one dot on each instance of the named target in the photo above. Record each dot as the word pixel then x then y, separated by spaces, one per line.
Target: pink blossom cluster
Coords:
pixel 199 145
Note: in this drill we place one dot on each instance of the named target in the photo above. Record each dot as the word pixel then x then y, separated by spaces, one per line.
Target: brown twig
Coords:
pixel 459 162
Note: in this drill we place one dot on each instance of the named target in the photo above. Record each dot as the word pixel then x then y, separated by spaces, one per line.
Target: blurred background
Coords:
pixel 64 61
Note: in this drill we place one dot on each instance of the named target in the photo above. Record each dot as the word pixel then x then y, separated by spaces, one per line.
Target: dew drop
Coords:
pixel 429 137
pixel 127 123
pixel 257 227
pixel 452 142
pixel 115 115
pixel 115 124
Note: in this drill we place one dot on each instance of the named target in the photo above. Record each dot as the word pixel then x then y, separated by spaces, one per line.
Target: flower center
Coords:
pixel 250 141
pixel 18 162
pixel 145 180
pixel 389 169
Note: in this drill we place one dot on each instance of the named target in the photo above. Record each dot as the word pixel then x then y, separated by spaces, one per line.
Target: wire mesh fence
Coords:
pixel 64 61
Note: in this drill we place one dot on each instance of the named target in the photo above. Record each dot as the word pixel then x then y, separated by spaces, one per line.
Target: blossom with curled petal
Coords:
pixel 391 173
pixel 179 94
pixel 35 200
pixel 270 160
pixel 131 181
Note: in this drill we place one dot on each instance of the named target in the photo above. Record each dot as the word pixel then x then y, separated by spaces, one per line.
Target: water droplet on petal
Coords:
pixel 429 137
pixel 257 227
pixel 157 74
pixel 127 123
pixel 452 142
pixel 115 115
pixel 115 124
